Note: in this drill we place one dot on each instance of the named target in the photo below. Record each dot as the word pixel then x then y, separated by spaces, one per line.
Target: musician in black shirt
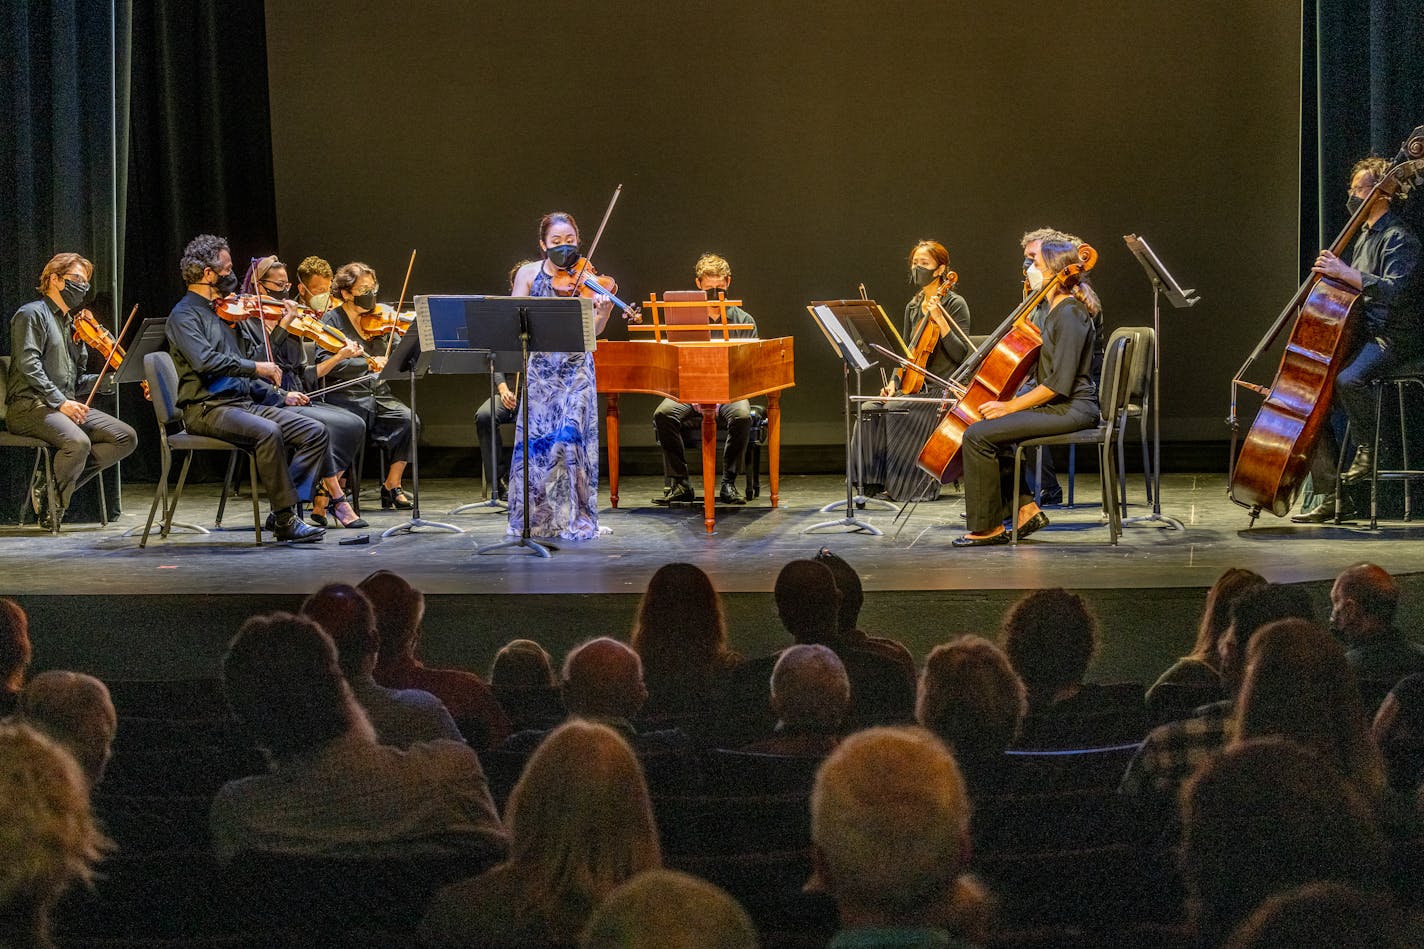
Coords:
pixel 1384 267
pixel 1064 400
pixel 224 395
pixel 47 368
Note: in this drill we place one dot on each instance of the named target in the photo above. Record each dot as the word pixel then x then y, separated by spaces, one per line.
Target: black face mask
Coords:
pixel 226 284
pixel 921 276
pixel 1353 204
pixel 271 294
pixel 563 256
pixel 365 301
pixel 75 295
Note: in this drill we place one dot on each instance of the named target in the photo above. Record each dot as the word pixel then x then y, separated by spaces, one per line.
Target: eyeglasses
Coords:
pixel 282 287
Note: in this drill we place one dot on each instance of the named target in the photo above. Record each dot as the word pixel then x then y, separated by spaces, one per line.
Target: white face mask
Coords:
pixel 1034 276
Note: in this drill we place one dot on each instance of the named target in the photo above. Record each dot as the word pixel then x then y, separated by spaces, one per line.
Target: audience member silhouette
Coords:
pixel 15 653
pixel 75 710
pixel 1328 916
pixel 1200 668
pixel 334 791
pixel 680 634
pixel 810 695
pixel 580 823
pixel 1264 817
pixel 848 620
pixel 400 608
pixel 48 837
pixel 890 831
pixel 1364 602
pixel 970 697
pixel 522 677
pixel 665 909
pixel 401 717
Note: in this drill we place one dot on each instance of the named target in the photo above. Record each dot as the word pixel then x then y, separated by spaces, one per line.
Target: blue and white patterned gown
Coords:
pixel 563 453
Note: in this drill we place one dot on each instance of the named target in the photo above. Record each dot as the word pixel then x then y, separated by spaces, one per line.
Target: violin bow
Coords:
pixel 598 235
pixel 110 355
pixel 257 291
pixel 391 336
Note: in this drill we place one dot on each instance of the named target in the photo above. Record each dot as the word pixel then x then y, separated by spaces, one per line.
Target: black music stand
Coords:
pixel 541 325
pixel 150 338
pixel 411 359
pixel 1162 283
pixel 852 327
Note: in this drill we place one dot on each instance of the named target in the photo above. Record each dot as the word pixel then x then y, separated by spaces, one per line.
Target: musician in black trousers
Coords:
pixel 47 369
pixel 225 396
pixel 1064 400
pixel 1384 268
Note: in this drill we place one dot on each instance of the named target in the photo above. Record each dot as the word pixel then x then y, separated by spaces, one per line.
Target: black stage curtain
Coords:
pixel 200 158
pixel 1362 94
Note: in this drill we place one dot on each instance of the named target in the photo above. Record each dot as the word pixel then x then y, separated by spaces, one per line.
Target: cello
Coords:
pixel 1275 454
pixel 995 371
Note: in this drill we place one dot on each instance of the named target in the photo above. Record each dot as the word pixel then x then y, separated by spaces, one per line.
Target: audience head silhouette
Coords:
pixel 808 602
pixel 15 651
pixel 522 664
pixel 1264 817
pixel 282 680
pixel 971 698
pixel 851 590
pixel 346 615
pixel 1250 611
pixel 1216 613
pixel 399 609
pixel 47 834
pixel 680 627
pixel 1050 637
pixel 1363 602
pixel 809 689
pixel 75 710
pixel 603 678
pixel 890 828
pixel 1328 914
pixel 665 909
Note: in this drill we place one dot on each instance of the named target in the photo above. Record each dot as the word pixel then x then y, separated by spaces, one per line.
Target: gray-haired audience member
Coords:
pixel 15 653
pixel 401 717
pixel 1266 816
pixel 890 833
pixel 810 695
pixel 971 698
pixel 603 682
pixel 334 790
pixel 1363 604
pixel 48 837
pixel 665 909
pixel 75 710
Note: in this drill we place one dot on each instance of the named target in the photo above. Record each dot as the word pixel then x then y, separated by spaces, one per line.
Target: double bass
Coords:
pixel 1275 455
pixel 994 371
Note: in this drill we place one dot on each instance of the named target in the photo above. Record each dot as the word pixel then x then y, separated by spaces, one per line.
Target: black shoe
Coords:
pixel 287 527
pixel 501 492
pixel 357 521
pixel 38 495
pixel 1361 468
pixel 1324 512
pixel 1051 497
pixel 320 519
pixel 1034 524
pixel 993 540
pixel 679 490
pixel 729 494
pixel 395 498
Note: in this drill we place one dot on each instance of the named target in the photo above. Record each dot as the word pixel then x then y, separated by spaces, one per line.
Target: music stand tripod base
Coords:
pixel 533 546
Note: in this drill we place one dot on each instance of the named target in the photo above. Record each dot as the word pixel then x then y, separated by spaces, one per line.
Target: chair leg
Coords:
pixel 1149 473
pixel 1374 474
pixel 1121 461
pixel 160 491
pixel 1110 488
pixel 228 487
pixel 354 476
pixel 1072 470
pixel 34 470
pixel 256 511
pixel 1038 476
pixel 103 501
pixel 1014 517
pixel 177 496
pixel 1407 482
pixel 51 491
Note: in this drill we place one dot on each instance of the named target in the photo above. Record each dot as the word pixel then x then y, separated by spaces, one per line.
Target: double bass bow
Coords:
pixel 1275 455
pixel 994 372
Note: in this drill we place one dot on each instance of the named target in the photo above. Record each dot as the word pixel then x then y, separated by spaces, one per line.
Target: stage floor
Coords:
pixel 744 555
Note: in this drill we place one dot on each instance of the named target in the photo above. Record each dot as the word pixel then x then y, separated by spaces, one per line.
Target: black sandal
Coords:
pixel 319 517
pixel 395 498
pixel 357 521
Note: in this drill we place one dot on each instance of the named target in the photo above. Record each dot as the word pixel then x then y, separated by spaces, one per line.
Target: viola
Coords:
pixel 584 281
pixel 1275 456
pixel 326 337
pixel 91 333
pixel 933 327
pixel 999 367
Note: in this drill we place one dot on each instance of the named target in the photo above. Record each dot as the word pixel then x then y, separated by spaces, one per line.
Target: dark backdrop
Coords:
pixel 811 146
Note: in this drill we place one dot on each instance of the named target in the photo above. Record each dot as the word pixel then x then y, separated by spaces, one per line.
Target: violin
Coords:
pixel 583 280
pixel 326 337
pixel 933 328
pixel 1275 455
pixel 999 366
pixel 237 308
pixel 91 333
pixel 384 320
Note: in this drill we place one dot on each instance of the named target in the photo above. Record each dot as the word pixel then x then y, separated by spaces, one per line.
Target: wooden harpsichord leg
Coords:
pixel 709 465
pixel 613 448
pixel 773 444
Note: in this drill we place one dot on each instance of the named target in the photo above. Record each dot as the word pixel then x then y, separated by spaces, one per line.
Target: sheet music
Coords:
pixel 840 338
